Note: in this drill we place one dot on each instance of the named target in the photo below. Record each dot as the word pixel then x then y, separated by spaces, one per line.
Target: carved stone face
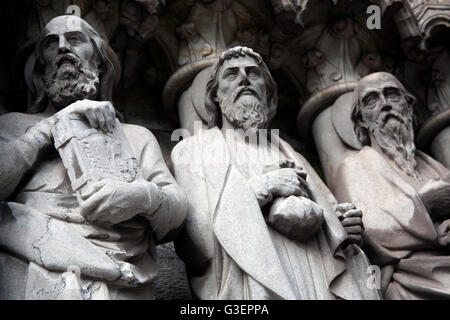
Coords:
pixel 242 93
pixel 241 77
pixel 382 100
pixel 65 35
pixel 71 61
pixel 387 116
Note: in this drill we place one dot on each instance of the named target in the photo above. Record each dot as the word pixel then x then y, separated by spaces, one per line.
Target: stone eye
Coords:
pixel 74 39
pixel 392 95
pixel 253 73
pixel 51 43
pixel 230 74
pixel 370 100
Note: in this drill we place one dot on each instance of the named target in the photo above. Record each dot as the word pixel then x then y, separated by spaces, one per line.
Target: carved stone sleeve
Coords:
pixel 18 152
pixel 169 199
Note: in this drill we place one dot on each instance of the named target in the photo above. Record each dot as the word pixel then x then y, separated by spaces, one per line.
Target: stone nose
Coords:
pixel 63 45
pixel 243 79
pixel 385 105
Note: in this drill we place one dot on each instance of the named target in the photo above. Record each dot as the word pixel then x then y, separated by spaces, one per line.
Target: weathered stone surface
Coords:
pixel 242 177
pixel 404 194
pixel 171 283
pixel 162 53
pixel 84 197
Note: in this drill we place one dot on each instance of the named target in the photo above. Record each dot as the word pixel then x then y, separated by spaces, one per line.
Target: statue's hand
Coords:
pixel 287 182
pixel 113 201
pixel 100 114
pixel 279 183
pixel 297 218
pixel 351 219
pixel 436 196
pixel 443 231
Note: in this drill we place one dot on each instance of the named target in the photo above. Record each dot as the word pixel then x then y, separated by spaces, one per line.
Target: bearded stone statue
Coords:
pixel 98 242
pixel 260 224
pixel 403 193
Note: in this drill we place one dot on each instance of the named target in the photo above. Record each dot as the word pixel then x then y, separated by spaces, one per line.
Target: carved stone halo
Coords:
pixel 342 122
pixel 198 92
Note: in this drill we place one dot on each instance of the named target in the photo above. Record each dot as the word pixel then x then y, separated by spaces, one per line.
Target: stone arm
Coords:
pixel 20 144
pixel 168 213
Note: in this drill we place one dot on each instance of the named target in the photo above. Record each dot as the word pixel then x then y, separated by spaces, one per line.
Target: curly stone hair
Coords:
pixel 212 108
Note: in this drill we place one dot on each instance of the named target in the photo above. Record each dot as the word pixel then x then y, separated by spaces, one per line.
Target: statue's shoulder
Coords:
pixel 15 124
pixel 194 144
pixel 357 161
pixel 431 162
pixel 139 136
pixel 187 145
pixel 134 130
pixel 361 156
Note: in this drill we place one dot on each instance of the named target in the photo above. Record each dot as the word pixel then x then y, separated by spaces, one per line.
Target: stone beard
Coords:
pixel 69 79
pixel 244 110
pixel 394 133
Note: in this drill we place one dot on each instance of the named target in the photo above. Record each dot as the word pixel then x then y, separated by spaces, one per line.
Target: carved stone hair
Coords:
pixel 361 132
pixel 38 99
pixel 211 105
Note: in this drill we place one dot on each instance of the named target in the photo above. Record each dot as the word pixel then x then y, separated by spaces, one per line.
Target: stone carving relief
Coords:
pixel 439 94
pixel 354 55
pixel 42 12
pixel 104 17
pixel 429 15
pixel 437 127
pixel 211 27
pixel 162 55
pixel 427 24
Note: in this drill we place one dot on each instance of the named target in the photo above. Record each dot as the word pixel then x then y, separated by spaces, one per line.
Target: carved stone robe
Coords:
pixel 229 250
pixel 43 235
pixel 398 229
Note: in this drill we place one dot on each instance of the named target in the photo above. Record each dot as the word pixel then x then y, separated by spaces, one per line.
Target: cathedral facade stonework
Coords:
pixel 225 149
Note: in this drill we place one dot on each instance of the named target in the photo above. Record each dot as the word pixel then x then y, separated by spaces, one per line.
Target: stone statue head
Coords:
pixel 70 64
pixel 382 114
pixel 241 89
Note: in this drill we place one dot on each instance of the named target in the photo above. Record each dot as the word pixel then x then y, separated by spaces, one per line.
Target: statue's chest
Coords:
pixel 49 176
pixel 253 160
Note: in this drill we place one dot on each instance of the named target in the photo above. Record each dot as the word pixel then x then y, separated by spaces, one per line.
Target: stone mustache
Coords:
pixel 268 228
pixel 92 236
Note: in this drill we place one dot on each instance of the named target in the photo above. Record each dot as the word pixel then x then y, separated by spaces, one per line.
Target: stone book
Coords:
pixel 90 154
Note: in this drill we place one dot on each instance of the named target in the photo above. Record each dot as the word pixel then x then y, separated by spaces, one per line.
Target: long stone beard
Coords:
pixel 70 82
pixel 396 140
pixel 247 113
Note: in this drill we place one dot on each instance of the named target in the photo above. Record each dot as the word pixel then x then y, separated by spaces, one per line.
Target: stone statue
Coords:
pixel 260 224
pixel 99 242
pixel 404 194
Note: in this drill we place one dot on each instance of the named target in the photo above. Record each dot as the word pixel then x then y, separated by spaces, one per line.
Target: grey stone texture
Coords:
pixel 161 55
